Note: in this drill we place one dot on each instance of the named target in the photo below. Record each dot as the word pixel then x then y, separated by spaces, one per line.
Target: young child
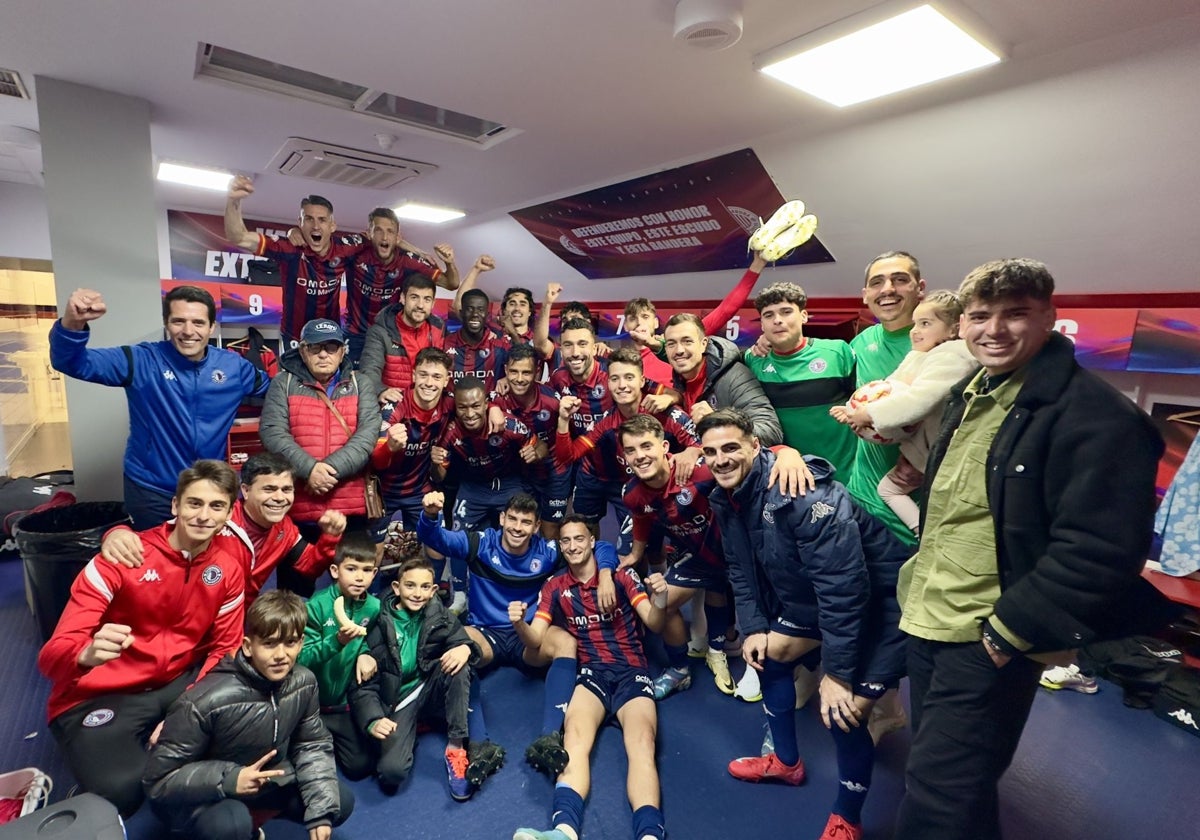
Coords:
pixel 920 388
pixel 335 648
pixel 246 744
pixel 425 658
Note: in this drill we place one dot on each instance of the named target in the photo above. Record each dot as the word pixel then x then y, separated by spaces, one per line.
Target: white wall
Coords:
pixel 24 226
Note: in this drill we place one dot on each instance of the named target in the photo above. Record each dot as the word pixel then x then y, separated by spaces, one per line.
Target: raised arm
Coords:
pixel 482 263
pixel 235 226
pixel 449 279
pixel 541 327
pixel 736 298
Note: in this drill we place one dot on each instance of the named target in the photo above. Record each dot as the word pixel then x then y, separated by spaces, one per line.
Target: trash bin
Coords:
pixel 55 545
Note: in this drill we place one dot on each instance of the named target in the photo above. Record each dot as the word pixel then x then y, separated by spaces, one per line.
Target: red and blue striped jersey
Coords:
pixel 485 359
pixel 405 474
pixel 600 449
pixel 682 511
pixel 311 284
pixel 592 391
pixel 541 416
pixel 612 638
pixel 372 285
pixel 481 458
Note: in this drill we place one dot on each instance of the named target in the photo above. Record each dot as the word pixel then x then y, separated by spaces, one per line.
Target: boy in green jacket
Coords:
pixel 335 650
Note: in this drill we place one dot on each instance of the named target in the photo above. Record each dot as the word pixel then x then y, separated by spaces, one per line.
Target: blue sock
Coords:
pixel 855 759
pixel 717 619
pixel 476 725
pixel 648 822
pixel 677 656
pixel 560 682
pixel 779 700
pixel 567 809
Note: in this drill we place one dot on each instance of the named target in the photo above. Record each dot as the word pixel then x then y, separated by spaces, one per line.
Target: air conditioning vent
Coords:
pixel 20 155
pixel 11 84
pixel 244 70
pixel 341 165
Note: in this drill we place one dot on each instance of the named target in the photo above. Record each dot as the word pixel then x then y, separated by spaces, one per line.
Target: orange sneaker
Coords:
pixel 766 768
pixel 838 829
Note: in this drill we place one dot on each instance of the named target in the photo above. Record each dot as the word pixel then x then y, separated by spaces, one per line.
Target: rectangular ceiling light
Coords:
pixel 191 176
pixel 906 50
pixel 426 213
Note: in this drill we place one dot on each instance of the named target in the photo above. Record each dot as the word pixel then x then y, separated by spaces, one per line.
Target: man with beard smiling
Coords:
pixel 131 640
pixel 809 574
pixel 182 393
pixel 402 330
pixel 259 531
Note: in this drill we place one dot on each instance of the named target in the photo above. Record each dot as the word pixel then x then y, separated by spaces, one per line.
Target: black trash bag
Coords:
pixel 55 545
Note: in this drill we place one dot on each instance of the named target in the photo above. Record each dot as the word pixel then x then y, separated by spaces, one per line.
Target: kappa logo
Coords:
pixel 769 369
pixel 853 786
pixel 212 575
pixel 818 365
pixel 98 717
pixel 218 376
pixel 329 622
pixel 151 575
pixel 169 375
pixel 495 561
pixel 820 510
pixel 648 509
pixel 1181 715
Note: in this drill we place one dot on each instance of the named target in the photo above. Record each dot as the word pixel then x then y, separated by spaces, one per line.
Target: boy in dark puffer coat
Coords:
pixel 246 743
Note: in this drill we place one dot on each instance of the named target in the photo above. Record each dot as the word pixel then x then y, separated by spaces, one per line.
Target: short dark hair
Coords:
pixel 433 354
pixel 626 356
pixel 1007 278
pixel 577 324
pixel 382 213
pixel 470 383
pixel 638 305
pixel 577 308
pixel 521 353
pixel 416 280
pixel 189 294
pixel 778 293
pixel 642 424
pixel 417 561
pixel 276 614
pixel 265 463
pixel 209 469
pixel 522 502
pixel 887 255
pixel 356 545
pixel 575 519
pixel 317 201
pixel 687 318
pixel 476 293
pixel 723 417
pixel 516 291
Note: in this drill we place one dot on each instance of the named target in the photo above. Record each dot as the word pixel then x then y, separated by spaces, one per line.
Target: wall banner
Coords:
pixel 693 218
pixel 199 250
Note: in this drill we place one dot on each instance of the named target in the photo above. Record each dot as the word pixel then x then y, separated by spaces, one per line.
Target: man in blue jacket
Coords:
pixel 182 393
pixel 812 576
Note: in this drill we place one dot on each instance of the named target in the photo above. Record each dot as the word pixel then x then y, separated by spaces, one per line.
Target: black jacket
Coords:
pixel 229 720
pixel 817 559
pixel 440 631
pixel 1070 484
pixel 733 385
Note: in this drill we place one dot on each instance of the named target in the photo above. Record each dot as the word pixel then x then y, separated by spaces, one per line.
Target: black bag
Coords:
pixel 1138 664
pixel 1178 700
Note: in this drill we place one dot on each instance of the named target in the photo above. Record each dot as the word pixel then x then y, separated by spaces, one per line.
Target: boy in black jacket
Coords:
pixel 424 657
pixel 246 743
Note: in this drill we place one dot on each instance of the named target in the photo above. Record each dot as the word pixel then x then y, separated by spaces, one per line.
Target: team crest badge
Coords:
pixel 769 514
pixel 597 392
pixel 218 376
pixel 98 717
pixel 483 353
pixel 495 440
pixel 817 366
pixel 335 262
pixel 392 275
pixel 535 565
pixel 212 575
pixel 543 416
pixel 685 496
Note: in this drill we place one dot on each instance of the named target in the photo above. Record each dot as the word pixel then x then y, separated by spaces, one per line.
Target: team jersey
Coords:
pixel 312 284
pixel 612 638
pixel 405 474
pixel 879 353
pixel 593 392
pixel 478 457
pixel 802 386
pixel 682 511
pixel 600 449
pixel 371 284
pixel 484 359
pixel 541 416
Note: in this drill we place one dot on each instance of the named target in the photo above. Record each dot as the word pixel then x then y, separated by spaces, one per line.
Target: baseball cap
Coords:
pixel 320 330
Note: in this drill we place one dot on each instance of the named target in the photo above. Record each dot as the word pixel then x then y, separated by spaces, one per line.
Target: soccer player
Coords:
pixel 804 377
pixel 518 563
pixel 311 274
pixel 182 393
pixel 808 574
pixel 400 332
pixel 613 681
pixel 477 349
pixel 379 271
pixel 131 640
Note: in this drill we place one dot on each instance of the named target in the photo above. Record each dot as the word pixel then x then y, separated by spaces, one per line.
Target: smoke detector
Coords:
pixel 708 24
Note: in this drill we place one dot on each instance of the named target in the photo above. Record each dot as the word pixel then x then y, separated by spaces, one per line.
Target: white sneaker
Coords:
pixel 1068 676
pixel 786 230
pixel 749 688
pixel 458 605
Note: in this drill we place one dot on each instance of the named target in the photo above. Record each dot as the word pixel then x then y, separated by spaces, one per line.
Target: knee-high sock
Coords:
pixel 476 724
pixel 567 809
pixel 779 700
pixel 677 656
pixel 560 682
pixel 717 619
pixel 855 759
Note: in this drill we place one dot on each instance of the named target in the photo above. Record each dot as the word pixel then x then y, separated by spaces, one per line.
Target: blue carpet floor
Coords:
pixel 1087 768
